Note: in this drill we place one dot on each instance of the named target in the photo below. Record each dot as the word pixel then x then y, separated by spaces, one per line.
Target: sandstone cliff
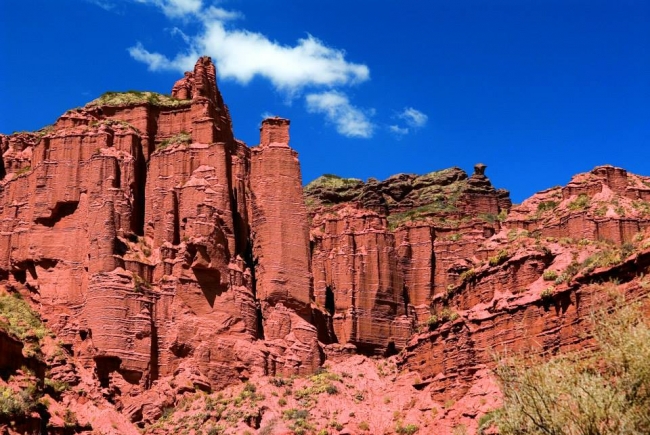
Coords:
pixel 157 257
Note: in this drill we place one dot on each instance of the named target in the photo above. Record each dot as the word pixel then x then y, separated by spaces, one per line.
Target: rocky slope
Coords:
pixel 158 274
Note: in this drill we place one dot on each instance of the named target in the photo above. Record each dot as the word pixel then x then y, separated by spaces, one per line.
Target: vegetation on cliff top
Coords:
pixel 137 97
pixel 331 181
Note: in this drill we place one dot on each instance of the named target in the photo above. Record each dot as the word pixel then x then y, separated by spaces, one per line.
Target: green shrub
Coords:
pixel 295 414
pixel 499 258
pixel 580 203
pixel 547 293
pixel 546 206
pixel 331 389
pixel 57 387
pixel 249 387
pixel 409 429
pixel 468 275
pixel 448 315
pixel 14 405
pixel 485 421
pixel 140 284
pixel 69 418
pixel 549 275
pixel 607 257
pixel 432 321
pixel 604 391
pixel 17 318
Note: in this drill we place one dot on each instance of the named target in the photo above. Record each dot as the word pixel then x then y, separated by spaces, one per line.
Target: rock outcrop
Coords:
pixel 154 240
pixel 169 258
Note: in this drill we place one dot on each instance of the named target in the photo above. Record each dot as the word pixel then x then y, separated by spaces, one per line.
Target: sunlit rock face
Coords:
pixel 167 257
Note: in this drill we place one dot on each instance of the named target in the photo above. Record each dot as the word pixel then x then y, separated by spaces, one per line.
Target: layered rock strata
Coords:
pixel 167 257
pixel 154 241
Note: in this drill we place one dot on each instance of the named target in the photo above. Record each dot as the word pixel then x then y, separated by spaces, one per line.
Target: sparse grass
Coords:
pixel 57 387
pixel 488 217
pixel 23 171
pixel 455 237
pixel 547 293
pixel 580 203
pixel 516 233
pixel 432 321
pixel 332 181
pixel 140 284
pixel 485 421
pixel 468 275
pixel 137 97
pixel 545 206
pixel 499 258
pixel 460 429
pixel 549 275
pixel 601 210
pixel 643 207
pixel 181 138
pixel 409 429
pixel 322 382
pixel 17 318
pixel 441 204
pixel 298 419
pixel 606 257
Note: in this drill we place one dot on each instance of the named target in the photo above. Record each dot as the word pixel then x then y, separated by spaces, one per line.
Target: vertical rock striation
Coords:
pixel 168 256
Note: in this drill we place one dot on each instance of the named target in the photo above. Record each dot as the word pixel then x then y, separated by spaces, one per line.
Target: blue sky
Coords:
pixel 536 89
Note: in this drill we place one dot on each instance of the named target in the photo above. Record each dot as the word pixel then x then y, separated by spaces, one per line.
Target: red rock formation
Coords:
pixel 280 251
pixel 168 258
pixel 156 193
pixel 384 250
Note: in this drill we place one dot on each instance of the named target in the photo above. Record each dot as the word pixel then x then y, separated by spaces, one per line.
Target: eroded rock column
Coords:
pixel 280 244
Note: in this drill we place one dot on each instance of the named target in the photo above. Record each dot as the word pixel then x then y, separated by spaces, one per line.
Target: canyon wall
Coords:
pixel 155 242
pixel 157 246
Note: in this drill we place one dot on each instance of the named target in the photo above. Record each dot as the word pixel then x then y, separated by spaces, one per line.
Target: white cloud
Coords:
pixel 399 131
pixel 242 55
pixel 413 117
pixel 104 4
pixel 176 8
pixel 214 13
pixel 157 62
pixel 175 31
pixel 349 120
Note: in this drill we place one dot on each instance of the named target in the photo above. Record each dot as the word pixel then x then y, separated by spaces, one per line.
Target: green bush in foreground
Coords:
pixel 606 391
